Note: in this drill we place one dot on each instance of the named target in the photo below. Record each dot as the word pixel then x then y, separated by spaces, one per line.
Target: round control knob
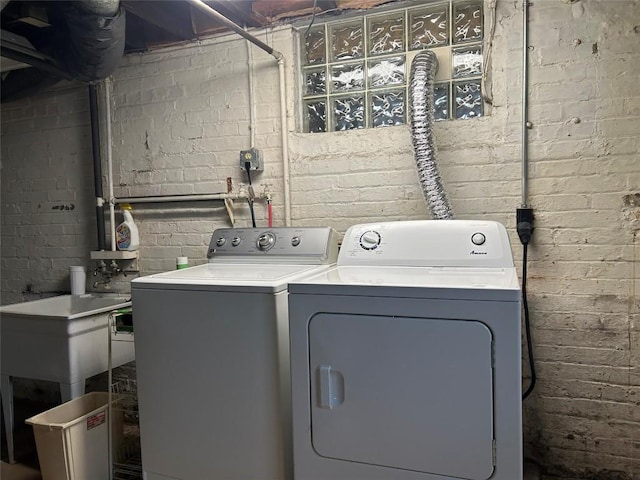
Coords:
pixel 221 241
pixel 478 238
pixel 266 241
pixel 370 240
pixel 236 241
pixel 295 241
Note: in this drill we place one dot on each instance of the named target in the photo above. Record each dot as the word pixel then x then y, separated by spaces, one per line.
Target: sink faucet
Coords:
pixel 106 275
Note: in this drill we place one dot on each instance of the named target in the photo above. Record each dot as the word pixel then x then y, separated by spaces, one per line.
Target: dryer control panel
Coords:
pixel 428 243
pixel 302 245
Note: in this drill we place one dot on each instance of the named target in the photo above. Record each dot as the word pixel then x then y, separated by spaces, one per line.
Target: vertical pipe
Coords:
pixel 199 4
pixel 286 178
pixel 525 102
pixel 97 165
pixel 252 106
pixel 112 213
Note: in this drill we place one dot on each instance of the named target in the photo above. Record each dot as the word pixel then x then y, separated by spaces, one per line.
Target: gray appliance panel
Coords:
pixel 376 382
pixel 211 401
pixel 299 245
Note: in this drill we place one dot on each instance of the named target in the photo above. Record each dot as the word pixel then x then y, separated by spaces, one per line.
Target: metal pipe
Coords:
pixel 252 105
pixel 200 5
pixel 97 165
pixel 182 198
pixel 286 176
pixel 112 214
pixel 525 103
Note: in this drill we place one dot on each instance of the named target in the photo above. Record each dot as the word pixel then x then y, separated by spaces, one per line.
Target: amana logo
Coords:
pixel 473 252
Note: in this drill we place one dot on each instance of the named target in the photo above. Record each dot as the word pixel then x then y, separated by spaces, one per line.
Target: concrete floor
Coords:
pixel 18 472
pixel 26 454
pixel 27 467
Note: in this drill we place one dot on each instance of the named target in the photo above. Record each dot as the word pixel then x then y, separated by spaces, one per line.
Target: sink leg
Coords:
pixel 69 391
pixel 7 410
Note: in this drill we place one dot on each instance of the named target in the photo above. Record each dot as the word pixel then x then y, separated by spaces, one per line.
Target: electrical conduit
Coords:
pixel 252 96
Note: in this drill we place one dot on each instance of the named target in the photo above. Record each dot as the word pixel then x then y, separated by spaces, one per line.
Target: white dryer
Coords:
pixel 405 357
pixel 212 352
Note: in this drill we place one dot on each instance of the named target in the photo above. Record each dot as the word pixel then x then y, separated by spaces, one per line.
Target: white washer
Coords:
pixel 405 357
pixel 212 352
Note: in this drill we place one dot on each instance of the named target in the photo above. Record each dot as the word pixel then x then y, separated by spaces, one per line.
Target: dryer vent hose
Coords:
pixel 423 72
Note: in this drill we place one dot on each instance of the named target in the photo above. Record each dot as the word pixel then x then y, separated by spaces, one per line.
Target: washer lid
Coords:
pixel 228 277
pixel 413 282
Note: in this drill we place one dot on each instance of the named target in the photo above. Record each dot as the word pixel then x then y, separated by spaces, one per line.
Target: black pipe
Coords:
pixel 97 165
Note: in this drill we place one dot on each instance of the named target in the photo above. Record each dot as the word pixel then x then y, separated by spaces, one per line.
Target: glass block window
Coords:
pixel 355 72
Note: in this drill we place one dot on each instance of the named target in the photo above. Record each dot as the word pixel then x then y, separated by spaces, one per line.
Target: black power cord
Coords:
pixel 524 227
pixel 247 167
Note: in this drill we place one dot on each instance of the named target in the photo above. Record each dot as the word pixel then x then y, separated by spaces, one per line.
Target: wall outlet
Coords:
pixel 254 157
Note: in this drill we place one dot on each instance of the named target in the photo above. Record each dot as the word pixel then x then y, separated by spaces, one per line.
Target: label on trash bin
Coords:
pixel 96 420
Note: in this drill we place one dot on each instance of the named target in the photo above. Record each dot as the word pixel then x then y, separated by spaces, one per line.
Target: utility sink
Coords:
pixel 68 306
pixel 62 339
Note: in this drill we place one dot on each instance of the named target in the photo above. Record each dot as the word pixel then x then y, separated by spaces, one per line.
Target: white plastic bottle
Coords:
pixel 127 237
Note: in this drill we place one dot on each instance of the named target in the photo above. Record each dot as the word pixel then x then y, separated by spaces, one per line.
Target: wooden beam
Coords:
pixel 360 4
pixel 277 9
pixel 164 15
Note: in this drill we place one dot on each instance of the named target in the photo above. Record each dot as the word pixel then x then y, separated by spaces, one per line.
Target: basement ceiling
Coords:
pixel 156 23
pixel 84 40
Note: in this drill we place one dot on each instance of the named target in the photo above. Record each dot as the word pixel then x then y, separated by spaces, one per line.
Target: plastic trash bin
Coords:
pixel 73 439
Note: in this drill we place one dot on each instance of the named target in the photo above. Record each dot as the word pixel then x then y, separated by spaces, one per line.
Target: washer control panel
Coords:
pixel 316 244
pixel 427 243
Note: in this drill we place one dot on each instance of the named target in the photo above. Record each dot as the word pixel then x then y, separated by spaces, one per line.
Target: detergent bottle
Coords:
pixel 127 237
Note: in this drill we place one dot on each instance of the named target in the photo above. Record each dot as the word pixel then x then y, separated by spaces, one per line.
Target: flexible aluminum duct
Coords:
pixel 423 72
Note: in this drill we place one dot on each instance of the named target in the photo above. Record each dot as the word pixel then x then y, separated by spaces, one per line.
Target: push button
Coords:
pixel 478 238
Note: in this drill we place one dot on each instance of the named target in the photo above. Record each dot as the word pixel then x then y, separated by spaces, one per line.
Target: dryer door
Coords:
pixel 406 393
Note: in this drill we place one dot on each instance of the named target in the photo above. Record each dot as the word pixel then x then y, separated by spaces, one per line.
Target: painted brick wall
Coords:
pixel 181 116
pixel 47 192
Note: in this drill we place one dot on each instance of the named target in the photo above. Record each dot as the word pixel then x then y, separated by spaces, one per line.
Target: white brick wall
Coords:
pixel 47 192
pixel 181 116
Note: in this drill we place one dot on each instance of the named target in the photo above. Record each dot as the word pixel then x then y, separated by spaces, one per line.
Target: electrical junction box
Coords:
pixel 254 157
